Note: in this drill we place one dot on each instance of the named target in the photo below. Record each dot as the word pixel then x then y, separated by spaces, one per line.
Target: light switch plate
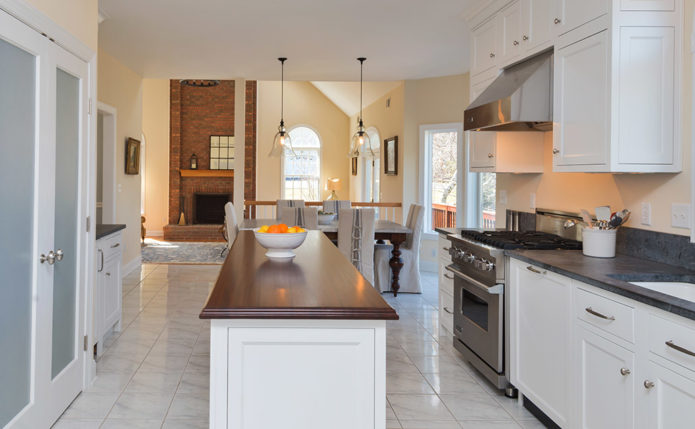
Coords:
pixel 680 215
pixel 646 214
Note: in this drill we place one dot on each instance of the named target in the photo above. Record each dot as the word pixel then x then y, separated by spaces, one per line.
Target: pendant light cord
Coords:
pixel 282 89
pixel 361 60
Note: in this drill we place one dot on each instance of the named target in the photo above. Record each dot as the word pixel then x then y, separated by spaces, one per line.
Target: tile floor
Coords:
pixel 154 373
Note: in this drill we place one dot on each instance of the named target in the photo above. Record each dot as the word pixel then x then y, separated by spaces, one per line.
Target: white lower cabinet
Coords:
pixel 540 338
pixel 446 289
pixel 589 368
pixel 108 287
pixel 605 382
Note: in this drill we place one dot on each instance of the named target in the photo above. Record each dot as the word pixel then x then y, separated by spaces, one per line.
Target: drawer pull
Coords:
pixel 533 270
pixel 674 346
pixel 624 371
pixel 448 311
pixel 446 249
pixel 597 314
pixel 113 246
pixel 448 276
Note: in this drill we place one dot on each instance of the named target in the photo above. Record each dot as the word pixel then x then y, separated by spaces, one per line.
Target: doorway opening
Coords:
pixel 106 164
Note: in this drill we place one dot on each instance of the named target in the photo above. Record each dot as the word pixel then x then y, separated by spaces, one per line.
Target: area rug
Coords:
pixel 176 252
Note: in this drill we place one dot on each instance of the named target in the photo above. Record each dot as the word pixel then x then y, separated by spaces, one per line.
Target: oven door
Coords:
pixel 478 317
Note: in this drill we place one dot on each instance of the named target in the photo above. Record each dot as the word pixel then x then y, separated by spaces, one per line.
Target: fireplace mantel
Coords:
pixel 207 173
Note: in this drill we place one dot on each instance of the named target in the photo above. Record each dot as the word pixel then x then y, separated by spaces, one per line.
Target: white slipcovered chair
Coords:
pixel 306 217
pixel 280 204
pixel 356 239
pixel 335 206
pixel 231 226
pixel 409 276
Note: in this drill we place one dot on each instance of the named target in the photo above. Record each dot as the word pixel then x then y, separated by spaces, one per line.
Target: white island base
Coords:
pixel 297 374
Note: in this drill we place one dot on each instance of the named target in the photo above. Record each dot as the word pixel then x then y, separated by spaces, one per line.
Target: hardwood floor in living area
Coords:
pixel 155 373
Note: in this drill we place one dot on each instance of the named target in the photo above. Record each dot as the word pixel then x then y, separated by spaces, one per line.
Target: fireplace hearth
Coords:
pixel 209 208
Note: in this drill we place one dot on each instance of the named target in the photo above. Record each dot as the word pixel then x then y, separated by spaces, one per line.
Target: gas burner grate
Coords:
pixel 533 240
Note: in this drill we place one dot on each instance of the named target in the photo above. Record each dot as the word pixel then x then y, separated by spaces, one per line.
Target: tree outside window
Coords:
pixel 301 173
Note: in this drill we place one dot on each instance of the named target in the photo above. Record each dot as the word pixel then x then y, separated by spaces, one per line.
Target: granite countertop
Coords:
pixel 104 229
pixel 613 275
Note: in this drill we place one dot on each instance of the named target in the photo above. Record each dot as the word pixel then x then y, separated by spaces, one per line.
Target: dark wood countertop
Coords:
pixel 320 283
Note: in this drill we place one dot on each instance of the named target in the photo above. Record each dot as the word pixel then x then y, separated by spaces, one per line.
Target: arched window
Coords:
pixel 371 167
pixel 301 174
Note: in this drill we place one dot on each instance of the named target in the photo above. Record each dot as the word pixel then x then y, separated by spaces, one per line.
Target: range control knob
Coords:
pixel 470 258
pixel 489 266
pixel 460 254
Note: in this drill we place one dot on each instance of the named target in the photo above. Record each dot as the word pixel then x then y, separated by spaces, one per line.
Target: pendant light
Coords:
pixel 282 142
pixel 361 139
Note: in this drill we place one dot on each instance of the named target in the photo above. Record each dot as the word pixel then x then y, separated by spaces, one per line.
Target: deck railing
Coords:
pixel 488 219
pixel 443 216
pixel 254 209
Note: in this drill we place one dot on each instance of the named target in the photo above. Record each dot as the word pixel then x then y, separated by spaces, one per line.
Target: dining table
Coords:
pixel 383 230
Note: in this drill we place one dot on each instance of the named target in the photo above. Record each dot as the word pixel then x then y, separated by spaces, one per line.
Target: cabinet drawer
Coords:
pixel 110 244
pixel 446 311
pixel 673 341
pixel 443 246
pixel 446 280
pixel 604 313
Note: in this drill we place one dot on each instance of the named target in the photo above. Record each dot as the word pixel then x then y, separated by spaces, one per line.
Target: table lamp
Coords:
pixel 333 184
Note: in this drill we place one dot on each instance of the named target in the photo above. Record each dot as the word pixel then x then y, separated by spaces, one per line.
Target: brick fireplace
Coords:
pixel 196 113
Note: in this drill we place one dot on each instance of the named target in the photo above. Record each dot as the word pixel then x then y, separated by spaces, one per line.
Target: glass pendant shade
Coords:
pixel 282 143
pixel 361 144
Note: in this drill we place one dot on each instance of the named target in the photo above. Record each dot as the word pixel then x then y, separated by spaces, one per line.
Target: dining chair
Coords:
pixel 286 203
pixel 409 277
pixel 231 226
pixel 356 239
pixel 335 206
pixel 306 217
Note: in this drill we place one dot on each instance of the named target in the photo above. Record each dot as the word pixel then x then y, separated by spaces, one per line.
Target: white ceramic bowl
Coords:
pixel 280 246
pixel 326 219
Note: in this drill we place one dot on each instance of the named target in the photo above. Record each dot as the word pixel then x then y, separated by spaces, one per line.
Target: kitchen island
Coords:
pixel 296 344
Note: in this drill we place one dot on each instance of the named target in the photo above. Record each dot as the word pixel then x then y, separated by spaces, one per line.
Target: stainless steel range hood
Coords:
pixel 520 99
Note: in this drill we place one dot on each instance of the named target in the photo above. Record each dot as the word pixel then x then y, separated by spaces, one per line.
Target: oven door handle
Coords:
pixel 497 289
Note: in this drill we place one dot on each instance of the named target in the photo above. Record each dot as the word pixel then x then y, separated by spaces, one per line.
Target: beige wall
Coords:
pixel 121 88
pixel 155 127
pixel 304 105
pixel 78 17
pixel 570 191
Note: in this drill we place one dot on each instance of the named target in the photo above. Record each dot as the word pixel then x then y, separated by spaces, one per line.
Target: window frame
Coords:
pixel 366 188
pixel 425 182
pixel 318 149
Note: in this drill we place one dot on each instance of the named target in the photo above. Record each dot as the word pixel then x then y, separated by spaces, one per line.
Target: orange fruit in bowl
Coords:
pixel 283 228
pixel 274 229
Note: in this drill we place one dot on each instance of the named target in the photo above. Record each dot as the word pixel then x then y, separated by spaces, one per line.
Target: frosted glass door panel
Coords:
pixel 66 220
pixel 17 151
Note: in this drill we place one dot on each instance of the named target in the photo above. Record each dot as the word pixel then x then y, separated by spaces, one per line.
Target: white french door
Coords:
pixel 43 179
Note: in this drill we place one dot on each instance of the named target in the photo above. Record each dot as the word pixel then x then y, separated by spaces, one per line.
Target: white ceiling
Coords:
pixel 402 39
pixel 346 95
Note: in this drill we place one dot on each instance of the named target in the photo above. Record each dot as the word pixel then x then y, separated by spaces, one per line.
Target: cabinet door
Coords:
pixel 646 95
pixel 605 380
pixel 540 343
pixel 670 402
pixel 484 47
pixel 510 42
pixel 538 25
pixel 570 14
pixel 581 129
pixel 482 148
pixel 477 87
pixel 111 291
pixel 651 5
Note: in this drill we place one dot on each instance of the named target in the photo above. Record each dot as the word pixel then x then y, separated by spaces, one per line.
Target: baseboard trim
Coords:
pixel 131 266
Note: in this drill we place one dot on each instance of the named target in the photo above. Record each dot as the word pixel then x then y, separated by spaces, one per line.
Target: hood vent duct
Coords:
pixel 520 99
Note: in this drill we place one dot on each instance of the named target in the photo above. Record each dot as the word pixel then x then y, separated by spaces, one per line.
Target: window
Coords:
pixel 487 183
pixel 440 173
pixel 301 174
pixel 371 176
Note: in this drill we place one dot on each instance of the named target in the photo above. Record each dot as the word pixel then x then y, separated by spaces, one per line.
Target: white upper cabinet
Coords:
pixel 484 47
pixel 571 14
pixel 506 151
pixel 648 5
pixel 510 48
pixel 537 26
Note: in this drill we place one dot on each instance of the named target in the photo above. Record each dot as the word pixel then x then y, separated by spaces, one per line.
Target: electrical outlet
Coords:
pixel 680 215
pixel 503 197
pixel 646 214
pixel 532 200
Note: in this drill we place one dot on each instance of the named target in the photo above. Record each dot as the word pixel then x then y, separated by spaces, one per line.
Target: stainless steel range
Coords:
pixel 480 268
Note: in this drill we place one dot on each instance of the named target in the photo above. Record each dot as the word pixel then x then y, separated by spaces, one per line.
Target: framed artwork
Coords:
pixel 353 162
pixel 132 156
pixel 391 156
pixel 221 152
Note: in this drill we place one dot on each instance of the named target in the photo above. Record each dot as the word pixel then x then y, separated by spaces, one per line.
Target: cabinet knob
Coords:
pixel 490 155
pixel 648 384
pixel 59 255
pixel 556 150
pixel 557 20
pixel 492 55
pixel 50 258
pixel 516 43
pixel 624 371
pixel 525 38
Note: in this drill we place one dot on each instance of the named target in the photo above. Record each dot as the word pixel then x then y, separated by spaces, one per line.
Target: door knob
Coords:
pixel 50 258
pixel 59 255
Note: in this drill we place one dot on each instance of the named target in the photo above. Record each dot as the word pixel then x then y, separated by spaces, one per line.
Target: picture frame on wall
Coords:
pixel 132 156
pixel 391 156
pixel 353 163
